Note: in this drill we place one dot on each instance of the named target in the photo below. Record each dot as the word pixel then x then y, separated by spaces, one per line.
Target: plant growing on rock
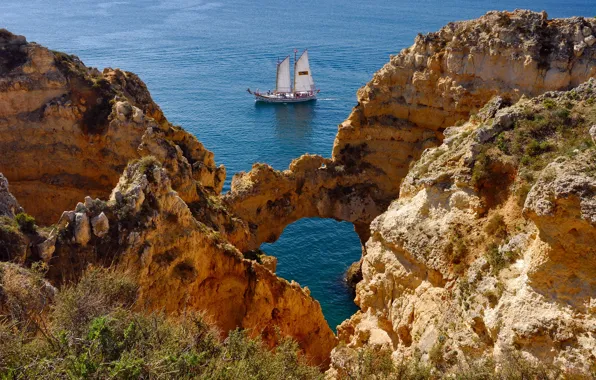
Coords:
pixel 26 222
pixel 93 331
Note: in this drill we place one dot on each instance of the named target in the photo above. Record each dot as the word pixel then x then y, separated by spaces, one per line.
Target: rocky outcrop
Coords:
pixel 181 264
pixel 313 186
pixel 67 132
pixel 562 204
pixel 448 75
pixel 77 128
pixel 443 78
pixel 9 206
pixel 489 248
pixel 457 269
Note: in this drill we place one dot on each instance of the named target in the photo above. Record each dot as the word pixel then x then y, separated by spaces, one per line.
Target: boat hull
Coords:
pixel 279 99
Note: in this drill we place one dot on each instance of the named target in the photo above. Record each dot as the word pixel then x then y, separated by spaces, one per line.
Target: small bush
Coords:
pixel 536 148
pixel 99 292
pixel 435 355
pixel 13 241
pixel 522 193
pixel 24 295
pixel 494 295
pixel 456 249
pixel 481 170
pixel 374 363
pixel 148 163
pixel 496 226
pixel 26 222
pixel 498 260
pixel 549 103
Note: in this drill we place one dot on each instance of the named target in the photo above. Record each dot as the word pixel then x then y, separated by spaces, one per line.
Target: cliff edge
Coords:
pixel 443 78
pixel 486 254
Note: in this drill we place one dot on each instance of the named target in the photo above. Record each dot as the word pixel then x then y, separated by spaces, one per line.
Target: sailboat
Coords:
pixel 303 89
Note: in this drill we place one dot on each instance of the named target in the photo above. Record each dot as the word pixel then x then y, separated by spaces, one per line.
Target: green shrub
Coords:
pixel 496 226
pixel 456 249
pixel 13 242
pixel 536 148
pixel 435 355
pixel 26 222
pixel 522 193
pixel 498 260
pixel 93 332
pixel 549 103
pixel 481 170
pixel 99 292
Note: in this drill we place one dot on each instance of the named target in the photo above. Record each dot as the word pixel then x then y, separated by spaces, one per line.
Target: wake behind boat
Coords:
pixel 303 90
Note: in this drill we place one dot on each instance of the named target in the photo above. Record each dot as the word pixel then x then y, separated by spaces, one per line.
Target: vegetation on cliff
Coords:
pixel 95 329
pixel 459 270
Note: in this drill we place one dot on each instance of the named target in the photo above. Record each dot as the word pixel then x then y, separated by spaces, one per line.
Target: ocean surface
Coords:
pixel 199 57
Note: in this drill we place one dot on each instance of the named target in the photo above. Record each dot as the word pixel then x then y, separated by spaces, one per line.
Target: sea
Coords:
pixel 198 57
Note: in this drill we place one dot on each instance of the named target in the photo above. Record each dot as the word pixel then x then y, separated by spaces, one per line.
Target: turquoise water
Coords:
pixel 198 58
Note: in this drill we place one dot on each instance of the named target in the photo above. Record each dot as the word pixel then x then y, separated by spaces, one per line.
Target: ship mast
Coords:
pixel 277 74
pixel 294 87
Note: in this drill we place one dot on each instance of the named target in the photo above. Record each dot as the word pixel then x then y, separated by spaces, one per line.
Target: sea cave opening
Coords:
pixel 317 252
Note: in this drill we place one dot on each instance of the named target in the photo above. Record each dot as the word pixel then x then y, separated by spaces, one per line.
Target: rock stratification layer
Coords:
pixel 448 75
pixel 76 129
pixel 488 249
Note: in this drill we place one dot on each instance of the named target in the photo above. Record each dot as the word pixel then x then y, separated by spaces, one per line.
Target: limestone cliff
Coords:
pixel 448 75
pixel 67 133
pixel 489 248
pixel 444 77
pixel 181 264
pixel 76 128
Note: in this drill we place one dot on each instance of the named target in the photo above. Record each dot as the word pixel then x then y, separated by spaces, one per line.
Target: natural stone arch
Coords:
pixel 313 186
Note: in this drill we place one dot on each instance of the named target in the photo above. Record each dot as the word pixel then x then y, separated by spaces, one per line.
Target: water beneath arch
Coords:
pixel 316 253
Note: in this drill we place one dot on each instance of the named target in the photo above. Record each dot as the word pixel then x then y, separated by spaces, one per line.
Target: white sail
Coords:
pixel 303 81
pixel 283 83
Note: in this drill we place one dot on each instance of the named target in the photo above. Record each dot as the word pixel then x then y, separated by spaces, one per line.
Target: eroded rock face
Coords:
pixel 77 128
pixel 444 77
pixel 182 264
pixel 448 75
pixel 66 134
pixel 489 248
pixel 8 203
pixel 562 204
pixel 313 186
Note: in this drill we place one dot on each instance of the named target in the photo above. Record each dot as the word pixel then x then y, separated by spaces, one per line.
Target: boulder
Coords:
pixel 47 248
pixel 8 203
pixel 100 225
pixel 82 229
